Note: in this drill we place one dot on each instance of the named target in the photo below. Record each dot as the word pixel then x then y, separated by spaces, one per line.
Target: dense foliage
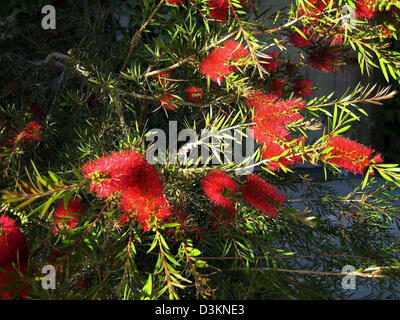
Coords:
pixel 88 189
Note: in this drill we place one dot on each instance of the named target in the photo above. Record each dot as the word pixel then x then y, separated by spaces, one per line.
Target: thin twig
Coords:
pixel 138 34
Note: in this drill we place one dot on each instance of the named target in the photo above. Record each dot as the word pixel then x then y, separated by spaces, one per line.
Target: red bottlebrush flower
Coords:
pixel 218 9
pixel 145 197
pixel 298 40
pixel 276 87
pixel 272 63
pixel 315 8
pixel 13 245
pixel 337 39
pixel 175 1
pixel 234 50
pixel 219 62
pixel 259 100
pixel 302 88
pixel 324 60
pixel 194 94
pixel 113 173
pixel 271 118
pixel 261 195
pixel 165 78
pixel 166 102
pixel 366 9
pixel 214 66
pixel 11 279
pixel 378 158
pixel 350 155
pixel 272 149
pixel 31 133
pixel 69 216
pixel 219 187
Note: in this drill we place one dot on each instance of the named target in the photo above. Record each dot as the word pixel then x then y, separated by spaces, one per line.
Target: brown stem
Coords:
pixel 138 34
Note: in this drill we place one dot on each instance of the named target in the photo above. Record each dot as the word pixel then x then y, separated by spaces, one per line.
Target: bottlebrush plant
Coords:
pixel 81 193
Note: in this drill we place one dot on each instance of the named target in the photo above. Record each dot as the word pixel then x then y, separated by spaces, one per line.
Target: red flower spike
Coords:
pixel 69 216
pixel 271 150
pixel 218 9
pixel 350 155
pixel 194 94
pixel 261 195
pixel 220 62
pixel 145 198
pixel 166 102
pixel 324 60
pixel 113 173
pixel 276 87
pixel 298 40
pixel 11 279
pixel 31 133
pixel 302 88
pixel 13 245
pixel 219 187
pixel 315 8
pixel 366 9
pixel 165 78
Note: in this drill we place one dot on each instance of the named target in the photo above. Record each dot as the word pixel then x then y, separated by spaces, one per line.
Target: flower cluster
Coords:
pixel 13 254
pixel 299 40
pixel 222 190
pixel 67 216
pixel 221 61
pixel 324 60
pixel 302 88
pixel 30 134
pixel 271 116
pixel 113 173
pixel 277 86
pixel 314 8
pixel 167 101
pixel 128 173
pixel 366 9
pixel 194 94
pixel 219 9
pixel 350 155
pixel 145 198
pixel 219 187
pixel 262 195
